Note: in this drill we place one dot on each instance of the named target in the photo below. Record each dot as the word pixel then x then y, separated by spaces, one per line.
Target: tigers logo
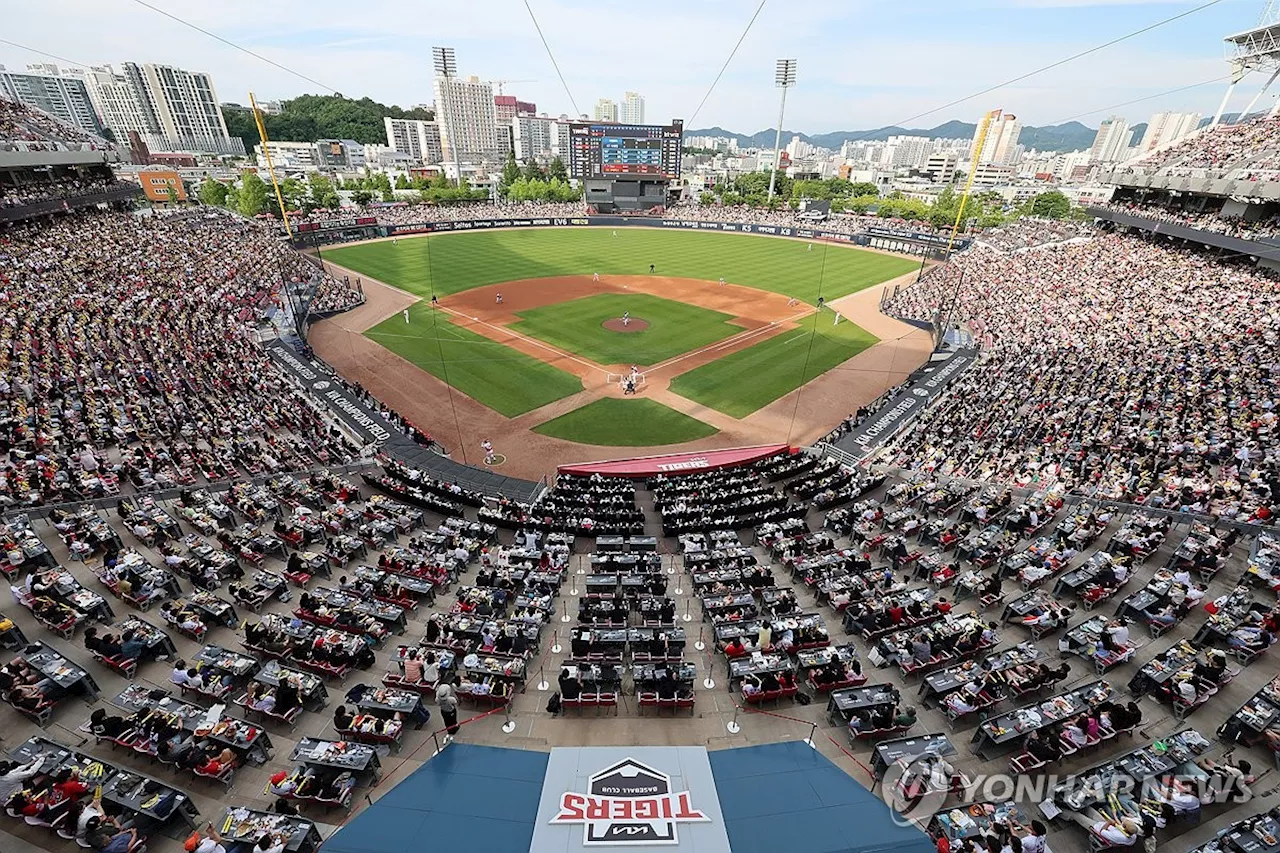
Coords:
pixel 628 803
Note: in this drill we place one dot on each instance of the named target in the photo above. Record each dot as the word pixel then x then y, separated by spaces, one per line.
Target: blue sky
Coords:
pixel 863 63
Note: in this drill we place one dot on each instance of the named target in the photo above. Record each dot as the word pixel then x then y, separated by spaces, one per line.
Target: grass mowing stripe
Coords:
pixel 614 422
pixel 744 381
pixel 493 374
pixel 674 328
pixel 461 261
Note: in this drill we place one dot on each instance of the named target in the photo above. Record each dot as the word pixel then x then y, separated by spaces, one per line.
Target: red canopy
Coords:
pixel 675 463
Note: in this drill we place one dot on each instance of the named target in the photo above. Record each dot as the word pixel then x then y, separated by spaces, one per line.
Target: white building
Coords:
pixel 288 155
pixel 417 138
pixel 1111 141
pixel 941 168
pixel 798 149
pixel 59 95
pixel 169 108
pixel 631 110
pixel 1001 145
pixel 606 110
pixel 910 152
pixel 468 124
pixel 535 137
pixel 1167 128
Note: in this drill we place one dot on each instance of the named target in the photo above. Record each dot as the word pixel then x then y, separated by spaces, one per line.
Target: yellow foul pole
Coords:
pixel 266 152
pixel 978 145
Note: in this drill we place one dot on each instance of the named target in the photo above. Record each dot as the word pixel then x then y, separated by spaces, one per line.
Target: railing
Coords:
pixel 813 729
pixel 60 205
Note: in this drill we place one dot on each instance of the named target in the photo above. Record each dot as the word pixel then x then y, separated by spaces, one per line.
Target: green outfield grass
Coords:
pixel 506 380
pixel 615 422
pixel 674 327
pixel 746 380
pixel 451 263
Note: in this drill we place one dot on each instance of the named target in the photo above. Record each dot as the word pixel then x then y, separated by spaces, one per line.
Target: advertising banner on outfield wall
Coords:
pixel 922 388
pixel 370 426
pixel 646 222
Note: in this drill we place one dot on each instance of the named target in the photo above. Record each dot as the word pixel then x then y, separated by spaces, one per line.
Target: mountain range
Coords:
pixel 1071 136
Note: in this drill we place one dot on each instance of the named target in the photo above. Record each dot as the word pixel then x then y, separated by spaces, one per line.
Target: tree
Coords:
pixel 706 199
pixel 213 193
pixel 307 118
pixel 294 193
pixel 1050 205
pixel 510 173
pixel 402 183
pixel 556 171
pixel 252 198
pixel 532 172
pixel 863 188
pixel 322 192
pixel 362 197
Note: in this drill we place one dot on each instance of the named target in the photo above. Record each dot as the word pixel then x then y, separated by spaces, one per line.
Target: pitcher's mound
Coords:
pixel 636 325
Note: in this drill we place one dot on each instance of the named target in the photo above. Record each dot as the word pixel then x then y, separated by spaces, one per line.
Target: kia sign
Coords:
pixel 628 803
pixel 629 799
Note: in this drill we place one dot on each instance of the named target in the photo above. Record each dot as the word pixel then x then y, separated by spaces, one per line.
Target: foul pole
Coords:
pixel 271 170
pixel 978 144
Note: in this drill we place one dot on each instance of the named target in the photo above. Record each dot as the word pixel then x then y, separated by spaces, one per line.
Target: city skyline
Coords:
pixel 349 49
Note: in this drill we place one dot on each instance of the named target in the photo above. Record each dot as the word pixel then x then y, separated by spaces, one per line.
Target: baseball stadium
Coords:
pixel 640 518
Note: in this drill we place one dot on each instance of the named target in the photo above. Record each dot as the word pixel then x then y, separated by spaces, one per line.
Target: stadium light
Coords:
pixel 446 66
pixel 784 78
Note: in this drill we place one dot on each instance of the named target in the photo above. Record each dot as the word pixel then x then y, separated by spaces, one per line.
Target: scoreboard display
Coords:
pixel 600 150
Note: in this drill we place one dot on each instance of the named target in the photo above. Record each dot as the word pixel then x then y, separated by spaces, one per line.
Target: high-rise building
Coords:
pixel 909 151
pixel 61 96
pixel 339 154
pixel 417 138
pixel 1001 145
pixel 631 110
pixel 468 126
pixel 606 110
pixel 504 109
pixel 170 109
pixel 1167 128
pixel 533 137
pixel 1111 142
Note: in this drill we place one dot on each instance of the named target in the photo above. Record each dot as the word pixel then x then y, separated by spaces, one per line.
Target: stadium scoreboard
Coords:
pixel 617 151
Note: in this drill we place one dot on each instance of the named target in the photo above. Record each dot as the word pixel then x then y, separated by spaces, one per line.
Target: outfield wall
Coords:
pixel 911 242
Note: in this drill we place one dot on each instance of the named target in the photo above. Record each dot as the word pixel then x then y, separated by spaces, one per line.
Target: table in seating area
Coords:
pixel 152 805
pixel 844 704
pixel 938 684
pixel 974 820
pixel 905 749
pixel 757 664
pixel 998 733
pixel 1252 721
pixel 251 743
pixel 1090 787
pixel 246 826
pixel 361 760
pixel 312 693
pixel 1259 833
pixel 69 677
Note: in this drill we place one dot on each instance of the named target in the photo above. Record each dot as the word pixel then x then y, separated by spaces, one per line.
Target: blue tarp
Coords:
pixel 467 797
pixel 787 796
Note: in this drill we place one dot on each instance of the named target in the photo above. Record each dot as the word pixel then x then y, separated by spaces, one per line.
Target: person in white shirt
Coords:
pixel 1119 633
pixel 179 674
pixel 13 775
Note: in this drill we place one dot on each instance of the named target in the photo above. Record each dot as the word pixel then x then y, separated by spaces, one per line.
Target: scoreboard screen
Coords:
pixel 598 150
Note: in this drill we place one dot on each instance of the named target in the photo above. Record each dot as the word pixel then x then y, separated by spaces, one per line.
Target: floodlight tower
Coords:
pixel 446 66
pixel 784 78
pixel 1256 49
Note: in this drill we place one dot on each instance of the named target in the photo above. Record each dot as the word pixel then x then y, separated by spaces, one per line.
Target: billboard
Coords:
pixel 619 151
pixel 620 799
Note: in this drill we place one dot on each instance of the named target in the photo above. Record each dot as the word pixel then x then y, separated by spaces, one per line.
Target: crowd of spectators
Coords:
pixel 24 194
pixel 26 129
pixel 1252 145
pixel 126 356
pixel 1210 220
pixel 1030 233
pixel 1113 366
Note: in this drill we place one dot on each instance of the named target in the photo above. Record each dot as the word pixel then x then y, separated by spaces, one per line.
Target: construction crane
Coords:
pixel 501 83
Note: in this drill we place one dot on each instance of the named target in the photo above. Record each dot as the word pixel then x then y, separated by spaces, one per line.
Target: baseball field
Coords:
pixel 546 327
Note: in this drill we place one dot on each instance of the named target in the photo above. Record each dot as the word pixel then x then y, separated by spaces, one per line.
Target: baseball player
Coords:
pixel 487 446
pixel 595 276
pixel 722 281
pixel 406 315
pixel 626 318
pixel 651 268
pixel 498 297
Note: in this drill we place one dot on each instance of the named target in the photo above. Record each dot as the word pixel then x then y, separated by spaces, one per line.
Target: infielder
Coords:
pixel 722 281
pixel 498 298
pixel 487 446
pixel 406 315
pixel 595 276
